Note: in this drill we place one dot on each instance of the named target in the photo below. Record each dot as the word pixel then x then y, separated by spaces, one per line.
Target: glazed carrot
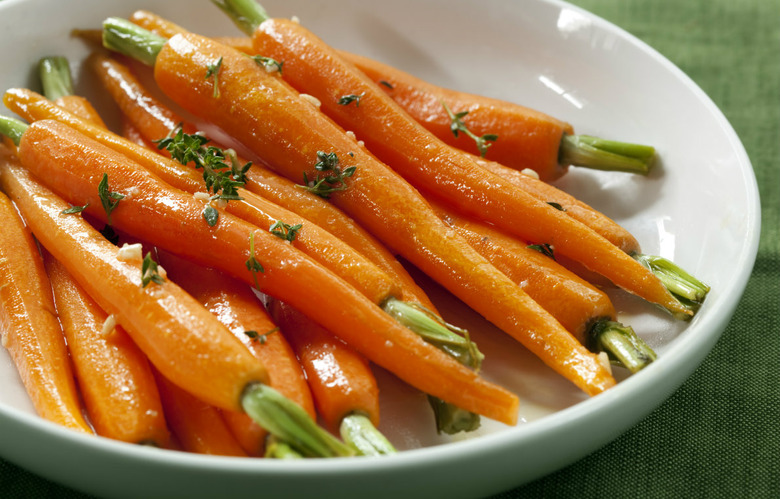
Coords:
pixel 28 323
pixel 113 375
pixel 586 311
pixel 344 388
pixel 58 86
pixel 255 256
pixel 198 426
pixel 378 198
pixel 517 136
pixel 178 335
pixel 155 121
pixel 438 169
pixel 319 244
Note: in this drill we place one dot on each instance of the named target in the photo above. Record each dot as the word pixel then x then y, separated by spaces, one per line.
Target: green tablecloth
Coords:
pixel 719 434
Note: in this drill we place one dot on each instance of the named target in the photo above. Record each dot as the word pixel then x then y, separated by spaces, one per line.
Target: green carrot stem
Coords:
pixel 450 339
pixel 689 290
pixel 620 343
pixel 288 422
pixel 246 14
pixel 609 155
pixel 360 434
pixel 55 77
pixel 120 35
pixel 12 128
pixel 276 449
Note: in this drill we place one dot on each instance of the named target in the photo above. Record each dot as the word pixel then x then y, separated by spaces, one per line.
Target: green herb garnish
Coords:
pixel 545 249
pixel 557 206
pixel 109 199
pixel 324 186
pixel 150 272
pixel 252 264
pixel 268 64
pixel 285 231
pixel 261 338
pixel 346 100
pixel 74 209
pixel 457 126
pixel 213 72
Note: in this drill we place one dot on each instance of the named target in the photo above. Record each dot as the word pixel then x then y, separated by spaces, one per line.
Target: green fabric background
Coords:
pixel 719 434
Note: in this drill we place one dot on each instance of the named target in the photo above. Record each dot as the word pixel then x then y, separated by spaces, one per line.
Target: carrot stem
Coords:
pixel 126 38
pixel 246 14
pixel 621 344
pixel 55 77
pixel 12 128
pixel 277 449
pixel 359 433
pixel 689 290
pixel 601 154
pixel 290 423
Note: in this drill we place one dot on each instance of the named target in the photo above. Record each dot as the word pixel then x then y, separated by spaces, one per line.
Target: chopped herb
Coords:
pixel 557 206
pixel 213 72
pixel 545 249
pixel 324 186
pixel 109 199
pixel 457 126
pixel 74 209
pixel 261 338
pixel 252 264
pixel 346 100
pixel 269 64
pixel 149 271
pixel 211 215
pixel 386 83
pixel 285 231
pixel 223 174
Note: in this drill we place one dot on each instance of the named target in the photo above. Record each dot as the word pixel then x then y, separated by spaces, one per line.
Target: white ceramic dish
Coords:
pixel 699 207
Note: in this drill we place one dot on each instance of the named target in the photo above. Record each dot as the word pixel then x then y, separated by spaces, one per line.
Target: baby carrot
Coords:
pixel 156 121
pixel 254 256
pixel 287 132
pixel 58 86
pixel 513 135
pixel 198 426
pixel 341 381
pixel 178 335
pixel 28 323
pixel 434 167
pixel 113 375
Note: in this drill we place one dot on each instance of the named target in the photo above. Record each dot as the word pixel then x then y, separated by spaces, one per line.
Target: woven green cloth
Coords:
pixel 719 434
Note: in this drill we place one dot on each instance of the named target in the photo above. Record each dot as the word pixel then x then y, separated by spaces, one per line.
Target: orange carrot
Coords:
pixel 319 244
pixel 114 376
pixel 287 132
pixel 501 131
pixel 156 121
pixel 58 86
pixel 440 170
pixel 28 322
pixel 198 427
pixel 48 148
pixel 340 379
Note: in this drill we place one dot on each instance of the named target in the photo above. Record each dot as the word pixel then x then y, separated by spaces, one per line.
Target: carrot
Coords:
pixel 58 86
pixel 28 323
pixel 584 310
pixel 156 121
pixel 378 198
pixel 198 427
pixel 438 169
pixel 114 377
pixel 47 148
pixel 344 388
pixel 510 134
pixel 322 246
pixel 183 340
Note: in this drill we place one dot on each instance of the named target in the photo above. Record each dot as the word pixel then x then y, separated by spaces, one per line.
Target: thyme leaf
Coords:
pixel 346 100
pixel 74 209
pixel 457 126
pixel 108 199
pixel 285 231
pixel 252 264
pixel 335 179
pixel 261 338
pixel 545 249
pixel 557 206
pixel 150 271
pixel 270 65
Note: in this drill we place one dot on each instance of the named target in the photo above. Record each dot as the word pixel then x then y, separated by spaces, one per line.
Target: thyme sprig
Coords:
pixel 457 126
pixel 260 338
pixel 150 271
pixel 212 71
pixel 269 64
pixel 223 173
pixel 109 200
pixel 285 231
pixel 252 264
pixel 348 99
pixel 334 180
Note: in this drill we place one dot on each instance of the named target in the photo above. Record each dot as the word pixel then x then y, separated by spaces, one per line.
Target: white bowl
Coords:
pixel 699 207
